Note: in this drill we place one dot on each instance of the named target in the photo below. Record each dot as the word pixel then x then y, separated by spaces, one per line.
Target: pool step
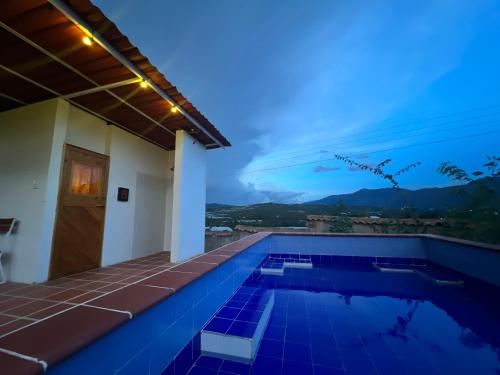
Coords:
pixel 433 274
pixel 237 328
pixel 276 266
pixel 394 267
pixel 272 267
pixel 438 276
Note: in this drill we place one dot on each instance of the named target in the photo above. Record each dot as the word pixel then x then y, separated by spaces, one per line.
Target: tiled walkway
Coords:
pixel 40 325
pixel 23 304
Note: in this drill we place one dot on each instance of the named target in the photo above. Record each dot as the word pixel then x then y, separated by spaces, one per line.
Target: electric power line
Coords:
pixel 375 152
pixel 312 153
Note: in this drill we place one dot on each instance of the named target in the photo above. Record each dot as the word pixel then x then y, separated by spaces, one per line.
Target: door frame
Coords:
pixel 60 198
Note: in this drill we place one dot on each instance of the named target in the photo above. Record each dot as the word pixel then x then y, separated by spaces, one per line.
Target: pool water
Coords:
pixel 353 319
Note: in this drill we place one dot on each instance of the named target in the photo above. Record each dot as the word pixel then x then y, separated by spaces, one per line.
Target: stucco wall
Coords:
pixel 189 198
pixel 28 136
pixel 129 229
pixel 31 151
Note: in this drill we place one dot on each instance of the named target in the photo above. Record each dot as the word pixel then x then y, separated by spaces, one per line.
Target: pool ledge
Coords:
pixel 38 346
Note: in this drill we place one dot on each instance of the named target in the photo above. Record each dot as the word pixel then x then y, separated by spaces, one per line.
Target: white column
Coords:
pixel 189 198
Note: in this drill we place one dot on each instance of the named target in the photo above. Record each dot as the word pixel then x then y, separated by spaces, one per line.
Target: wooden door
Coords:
pixel 80 215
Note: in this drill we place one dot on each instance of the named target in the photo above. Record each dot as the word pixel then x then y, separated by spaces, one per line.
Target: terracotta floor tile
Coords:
pixel 29 308
pixel 105 271
pixel 131 279
pixel 5 319
pixel 58 282
pixel 44 291
pixel 133 298
pixel 9 287
pixel 11 365
pixel 85 297
pixel 77 284
pixel 213 258
pixel 54 309
pixel 66 295
pixel 193 266
pixel 223 252
pixel 15 324
pixel 13 302
pixel 171 279
pixel 68 332
pixel 93 285
pixel 117 278
pixel 111 288
pixel 150 272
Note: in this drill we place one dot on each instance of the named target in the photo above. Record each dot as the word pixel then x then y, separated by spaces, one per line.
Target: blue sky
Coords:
pixel 292 83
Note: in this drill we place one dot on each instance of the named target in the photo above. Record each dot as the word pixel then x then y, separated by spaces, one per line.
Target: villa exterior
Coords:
pixel 102 160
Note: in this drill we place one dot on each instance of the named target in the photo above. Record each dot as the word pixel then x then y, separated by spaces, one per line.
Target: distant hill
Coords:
pixel 423 199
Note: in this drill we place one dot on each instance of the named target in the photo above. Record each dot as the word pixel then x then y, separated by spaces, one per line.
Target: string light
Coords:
pixel 87 40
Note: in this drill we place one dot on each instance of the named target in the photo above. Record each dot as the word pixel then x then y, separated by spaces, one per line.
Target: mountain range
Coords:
pixel 422 199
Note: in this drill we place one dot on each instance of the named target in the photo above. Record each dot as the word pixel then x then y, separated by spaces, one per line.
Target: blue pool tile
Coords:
pixel 294 351
pixel 322 370
pixel 236 304
pixel 298 368
pixel 197 370
pixel 316 259
pixel 170 370
pixel 326 259
pixel 228 313
pixel 357 361
pixel 298 334
pixel 275 332
pixel 218 325
pixel 184 360
pixel 235 367
pixel 271 348
pixel 255 306
pixel 420 262
pixel 209 362
pixel 242 329
pixel 325 355
pixel 249 316
pixel 266 366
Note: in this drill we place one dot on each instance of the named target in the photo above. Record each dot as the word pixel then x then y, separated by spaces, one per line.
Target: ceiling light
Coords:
pixel 174 109
pixel 144 84
pixel 88 41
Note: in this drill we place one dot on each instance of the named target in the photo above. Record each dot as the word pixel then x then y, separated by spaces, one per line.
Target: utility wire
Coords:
pixel 400 125
pixel 313 153
pixel 374 152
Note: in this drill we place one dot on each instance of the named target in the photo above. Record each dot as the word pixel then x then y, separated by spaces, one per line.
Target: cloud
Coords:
pixel 324 168
pixel 238 193
pixel 342 72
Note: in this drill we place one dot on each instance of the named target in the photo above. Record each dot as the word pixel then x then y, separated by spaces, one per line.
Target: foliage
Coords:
pixel 341 224
pixel 478 220
pixel 379 169
pixel 458 174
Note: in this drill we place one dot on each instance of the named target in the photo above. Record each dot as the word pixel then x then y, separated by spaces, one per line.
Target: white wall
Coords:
pixel 133 159
pixel 31 140
pixel 31 149
pixel 189 198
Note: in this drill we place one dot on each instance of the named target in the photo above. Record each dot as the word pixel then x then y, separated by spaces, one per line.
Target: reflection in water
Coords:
pixel 398 321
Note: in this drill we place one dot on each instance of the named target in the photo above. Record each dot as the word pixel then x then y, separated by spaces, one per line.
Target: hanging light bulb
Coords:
pixel 88 41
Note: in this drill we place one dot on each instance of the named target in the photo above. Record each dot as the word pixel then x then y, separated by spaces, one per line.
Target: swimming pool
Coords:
pixel 345 316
